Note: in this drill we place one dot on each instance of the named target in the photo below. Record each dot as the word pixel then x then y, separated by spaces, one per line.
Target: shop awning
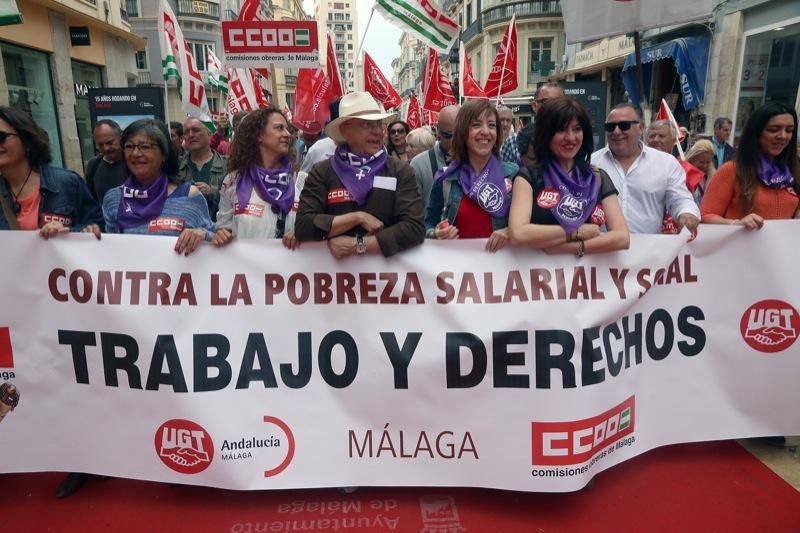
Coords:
pixel 691 61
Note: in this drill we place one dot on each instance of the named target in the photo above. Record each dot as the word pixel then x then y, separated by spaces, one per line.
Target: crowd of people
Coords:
pixel 370 185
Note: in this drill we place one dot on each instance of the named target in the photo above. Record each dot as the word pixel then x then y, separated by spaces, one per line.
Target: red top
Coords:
pixel 28 216
pixel 472 221
pixel 722 198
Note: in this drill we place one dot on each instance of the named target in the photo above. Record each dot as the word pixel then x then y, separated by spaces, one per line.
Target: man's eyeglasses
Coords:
pixel 446 134
pixel 5 135
pixel 541 101
pixel 144 148
pixel 624 125
pixel 398 131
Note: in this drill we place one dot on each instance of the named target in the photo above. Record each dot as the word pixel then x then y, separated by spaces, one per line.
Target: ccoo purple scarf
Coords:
pixel 578 192
pixel 274 186
pixel 487 189
pixel 774 174
pixel 140 205
pixel 357 171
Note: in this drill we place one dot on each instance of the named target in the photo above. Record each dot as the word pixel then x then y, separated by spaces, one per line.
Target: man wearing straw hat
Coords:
pixel 360 200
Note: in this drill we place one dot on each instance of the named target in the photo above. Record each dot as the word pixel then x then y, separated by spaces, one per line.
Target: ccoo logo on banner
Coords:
pixel 261 43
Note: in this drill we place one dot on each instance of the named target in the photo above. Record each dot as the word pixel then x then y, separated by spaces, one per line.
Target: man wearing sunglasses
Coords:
pixel 650 183
pixel 427 163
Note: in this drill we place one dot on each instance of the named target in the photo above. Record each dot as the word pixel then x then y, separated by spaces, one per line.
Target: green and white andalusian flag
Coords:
pixel 423 19
pixel 217 77
pixel 178 63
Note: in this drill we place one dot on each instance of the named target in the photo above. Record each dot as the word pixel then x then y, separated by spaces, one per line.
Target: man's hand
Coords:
pixel 370 223
pixel 204 188
pixel 342 246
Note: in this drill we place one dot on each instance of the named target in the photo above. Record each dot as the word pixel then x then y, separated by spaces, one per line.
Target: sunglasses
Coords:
pixel 399 131
pixel 623 125
pixel 5 135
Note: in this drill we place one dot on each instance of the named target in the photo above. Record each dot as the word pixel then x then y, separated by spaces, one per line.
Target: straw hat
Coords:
pixel 355 105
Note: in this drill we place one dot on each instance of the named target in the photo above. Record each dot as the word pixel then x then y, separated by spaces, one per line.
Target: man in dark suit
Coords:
pixel 723 152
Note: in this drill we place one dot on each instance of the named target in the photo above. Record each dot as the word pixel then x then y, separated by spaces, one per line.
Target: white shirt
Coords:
pixel 320 151
pixel 654 184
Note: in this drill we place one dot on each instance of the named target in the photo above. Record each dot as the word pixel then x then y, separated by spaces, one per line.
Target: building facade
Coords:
pixel 286 78
pixel 339 19
pixel 48 63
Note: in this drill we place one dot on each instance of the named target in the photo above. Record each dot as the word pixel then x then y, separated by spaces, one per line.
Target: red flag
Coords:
pixel 469 87
pixel 251 10
pixel 438 92
pixel 665 113
pixel 505 64
pixel 431 117
pixel 311 98
pixel 376 84
pixel 413 118
pixel 335 77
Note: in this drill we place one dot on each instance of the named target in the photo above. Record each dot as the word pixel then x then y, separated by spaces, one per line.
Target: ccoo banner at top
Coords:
pixel 587 21
pixel 260 43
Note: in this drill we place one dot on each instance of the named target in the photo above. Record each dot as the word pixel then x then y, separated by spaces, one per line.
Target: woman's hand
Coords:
pixel 189 240
pixel 290 241
pixel 750 222
pixel 51 229
pixel 497 240
pixel 92 228
pixel 342 246
pixel 585 232
pixel 445 231
pixel 222 237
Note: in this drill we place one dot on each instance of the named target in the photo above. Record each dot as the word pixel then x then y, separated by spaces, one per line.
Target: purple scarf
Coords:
pixel 578 192
pixel 140 205
pixel 773 174
pixel 357 171
pixel 274 186
pixel 487 189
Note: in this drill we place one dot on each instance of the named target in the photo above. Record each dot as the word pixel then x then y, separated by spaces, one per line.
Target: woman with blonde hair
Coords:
pixel 419 140
pixel 701 156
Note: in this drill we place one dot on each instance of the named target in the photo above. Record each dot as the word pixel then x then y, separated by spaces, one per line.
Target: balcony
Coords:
pixel 124 15
pixel 523 10
pixel 230 14
pixel 132 7
pixel 198 9
pixel 143 78
pixel 472 30
pixel 290 79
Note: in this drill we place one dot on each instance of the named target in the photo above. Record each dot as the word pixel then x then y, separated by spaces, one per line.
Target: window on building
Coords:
pixel 468 9
pixel 540 56
pixel 338 5
pixel 290 101
pixel 141 60
pixel 339 47
pixel 349 26
pixel 350 65
pixel 200 53
pixel 350 46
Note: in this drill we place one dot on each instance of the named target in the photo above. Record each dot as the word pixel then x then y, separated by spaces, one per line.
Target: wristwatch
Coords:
pixel 361 246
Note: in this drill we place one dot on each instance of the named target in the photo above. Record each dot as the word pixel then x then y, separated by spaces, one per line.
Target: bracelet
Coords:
pixel 581 246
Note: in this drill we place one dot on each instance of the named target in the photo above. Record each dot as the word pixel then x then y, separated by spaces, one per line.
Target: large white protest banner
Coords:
pixel 253 367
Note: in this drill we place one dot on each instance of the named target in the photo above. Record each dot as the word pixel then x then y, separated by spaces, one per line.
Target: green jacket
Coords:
pixel 187 171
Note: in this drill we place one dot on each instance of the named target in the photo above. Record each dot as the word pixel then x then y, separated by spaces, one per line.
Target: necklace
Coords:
pixel 17 206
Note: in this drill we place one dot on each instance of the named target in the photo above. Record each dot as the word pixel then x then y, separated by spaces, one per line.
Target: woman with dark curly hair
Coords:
pixel 396 143
pixel 258 194
pixel 154 200
pixel 33 194
pixel 764 181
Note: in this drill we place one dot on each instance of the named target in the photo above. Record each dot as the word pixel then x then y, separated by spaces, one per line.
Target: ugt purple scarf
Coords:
pixel 357 171
pixel 140 205
pixel 774 174
pixel 578 192
pixel 274 186
pixel 487 189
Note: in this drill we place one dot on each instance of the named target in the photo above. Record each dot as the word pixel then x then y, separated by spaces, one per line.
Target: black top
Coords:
pixel 102 176
pixel 542 215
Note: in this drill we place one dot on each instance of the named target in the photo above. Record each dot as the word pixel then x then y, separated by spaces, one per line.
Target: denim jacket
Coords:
pixel 65 198
pixel 436 206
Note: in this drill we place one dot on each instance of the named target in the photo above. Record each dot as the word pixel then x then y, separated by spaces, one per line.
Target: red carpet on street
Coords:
pixel 713 487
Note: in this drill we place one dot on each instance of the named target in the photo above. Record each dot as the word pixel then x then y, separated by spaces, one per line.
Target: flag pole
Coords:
pixel 360 47
pixel 505 56
pixel 461 54
pixel 166 103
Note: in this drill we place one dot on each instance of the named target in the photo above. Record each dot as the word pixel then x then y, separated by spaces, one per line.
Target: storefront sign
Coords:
pixel 254 367
pixel 260 43
pixel 79 36
pixel 605 50
pixel 125 104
